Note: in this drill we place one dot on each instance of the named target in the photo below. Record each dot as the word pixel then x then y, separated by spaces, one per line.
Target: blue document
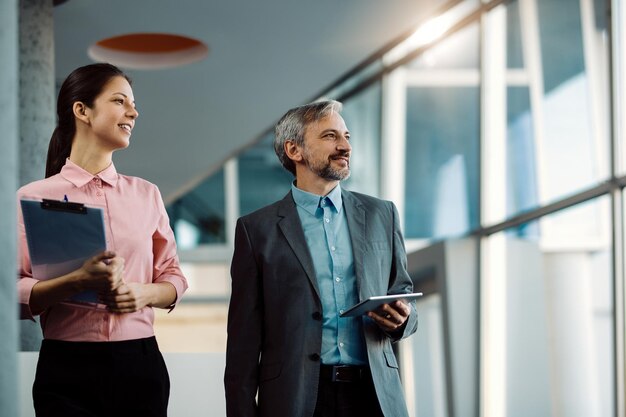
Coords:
pixel 61 236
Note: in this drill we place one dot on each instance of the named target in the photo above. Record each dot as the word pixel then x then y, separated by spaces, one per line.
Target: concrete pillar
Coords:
pixel 37 87
pixel 8 184
pixel 37 108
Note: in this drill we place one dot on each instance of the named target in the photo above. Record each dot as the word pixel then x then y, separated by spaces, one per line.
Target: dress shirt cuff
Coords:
pixel 179 285
pixel 24 289
pixel 397 334
pixel 407 328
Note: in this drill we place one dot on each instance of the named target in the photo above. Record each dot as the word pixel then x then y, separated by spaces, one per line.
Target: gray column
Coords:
pixel 8 184
pixel 37 108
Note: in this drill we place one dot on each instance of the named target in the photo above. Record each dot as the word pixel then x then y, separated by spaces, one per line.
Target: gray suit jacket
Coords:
pixel 274 318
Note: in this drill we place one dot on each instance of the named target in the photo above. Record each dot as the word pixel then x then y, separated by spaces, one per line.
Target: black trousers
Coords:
pixel 352 397
pixel 98 379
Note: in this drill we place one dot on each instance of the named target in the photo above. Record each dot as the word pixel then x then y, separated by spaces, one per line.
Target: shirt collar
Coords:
pixel 79 177
pixel 310 202
pixel 335 197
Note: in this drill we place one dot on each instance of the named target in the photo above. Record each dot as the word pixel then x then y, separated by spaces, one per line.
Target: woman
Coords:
pixel 102 361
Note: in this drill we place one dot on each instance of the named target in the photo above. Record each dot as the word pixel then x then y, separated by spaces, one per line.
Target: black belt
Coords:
pixel 344 373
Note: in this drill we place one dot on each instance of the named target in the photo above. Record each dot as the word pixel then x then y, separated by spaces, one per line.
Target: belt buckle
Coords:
pixel 341 373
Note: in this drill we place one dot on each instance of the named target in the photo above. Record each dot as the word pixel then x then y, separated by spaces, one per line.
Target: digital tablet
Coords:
pixel 373 303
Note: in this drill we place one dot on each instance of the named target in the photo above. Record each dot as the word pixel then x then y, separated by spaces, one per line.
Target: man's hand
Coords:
pixel 391 317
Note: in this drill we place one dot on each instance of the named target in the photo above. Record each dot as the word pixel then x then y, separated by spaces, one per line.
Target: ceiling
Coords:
pixel 265 57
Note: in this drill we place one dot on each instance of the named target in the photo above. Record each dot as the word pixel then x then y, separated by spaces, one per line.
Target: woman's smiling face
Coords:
pixel 113 114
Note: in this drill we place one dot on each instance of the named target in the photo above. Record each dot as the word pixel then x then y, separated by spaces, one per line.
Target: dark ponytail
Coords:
pixel 84 84
pixel 58 151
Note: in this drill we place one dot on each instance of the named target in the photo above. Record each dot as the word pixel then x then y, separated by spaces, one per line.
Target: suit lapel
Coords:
pixel 355 215
pixel 289 223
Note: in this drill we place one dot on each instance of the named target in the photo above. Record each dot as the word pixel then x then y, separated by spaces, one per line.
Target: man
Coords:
pixel 297 265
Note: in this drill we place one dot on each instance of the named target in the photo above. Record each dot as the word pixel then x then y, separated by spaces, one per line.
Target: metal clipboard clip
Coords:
pixel 63 206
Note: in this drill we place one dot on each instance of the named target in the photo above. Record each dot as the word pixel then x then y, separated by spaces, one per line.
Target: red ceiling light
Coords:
pixel 148 50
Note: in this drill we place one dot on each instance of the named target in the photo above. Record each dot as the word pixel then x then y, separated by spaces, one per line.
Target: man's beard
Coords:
pixel 325 170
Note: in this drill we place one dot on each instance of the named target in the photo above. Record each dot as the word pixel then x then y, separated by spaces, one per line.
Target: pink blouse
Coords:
pixel 137 229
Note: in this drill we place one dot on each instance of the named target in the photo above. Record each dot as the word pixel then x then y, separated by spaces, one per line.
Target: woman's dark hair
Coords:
pixel 84 84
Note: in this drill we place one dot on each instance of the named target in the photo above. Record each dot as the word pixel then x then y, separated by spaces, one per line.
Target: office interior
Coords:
pixel 497 129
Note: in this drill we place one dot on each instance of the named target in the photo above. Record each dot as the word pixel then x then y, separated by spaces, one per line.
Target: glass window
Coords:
pixel 556 307
pixel 428 358
pixel 457 51
pixel 362 115
pixel 431 31
pixel 439 364
pixel 515 57
pixel 442 161
pixel 262 178
pixel 557 106
pixel 442 140
pixel 522 193
pixel 199 216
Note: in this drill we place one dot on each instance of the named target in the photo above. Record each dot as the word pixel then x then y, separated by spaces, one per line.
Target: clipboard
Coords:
pixel 372 303
pixel 61 236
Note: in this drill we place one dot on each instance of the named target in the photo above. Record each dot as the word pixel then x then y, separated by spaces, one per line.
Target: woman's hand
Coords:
pixel 103 273
pixel 128 298
pixel 133 296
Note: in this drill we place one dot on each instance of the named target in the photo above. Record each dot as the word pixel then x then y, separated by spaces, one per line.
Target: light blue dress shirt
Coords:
pixel 328 238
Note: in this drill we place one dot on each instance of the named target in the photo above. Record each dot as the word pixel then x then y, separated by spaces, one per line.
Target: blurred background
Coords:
pixel 496 127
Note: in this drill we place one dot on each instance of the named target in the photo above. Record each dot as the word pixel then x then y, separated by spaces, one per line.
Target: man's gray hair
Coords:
pixel 293 125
